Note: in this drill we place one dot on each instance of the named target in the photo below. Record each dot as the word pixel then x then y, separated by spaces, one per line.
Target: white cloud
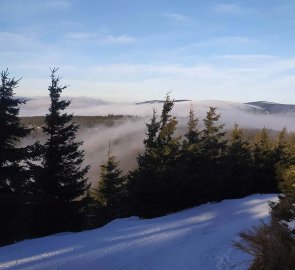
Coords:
pixel 222 40
pixel 117 40
pixel 99 38
pixel 249 57
pixel 234 9
pixel 81 35
pixel 227 8
pixel 232 77
pixel 178 17
pixel 11 37
pixel 16 42
pixel 230 40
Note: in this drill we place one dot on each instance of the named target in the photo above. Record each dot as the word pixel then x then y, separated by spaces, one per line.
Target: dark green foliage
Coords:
pixel 212 136
pixel 61 183
pixel 205 167
pixel 239 166
pixel 202 159
pixel 281 154
pixel 212 149
pixel 264 157
pixel 153 185
pixel 152 131
pixel 93 212
pixel 285 209
pixel 193 134
pixel 190 163
pixel 13 170
pixel 111 187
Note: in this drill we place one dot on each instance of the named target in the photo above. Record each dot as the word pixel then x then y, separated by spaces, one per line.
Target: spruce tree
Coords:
pixel 152 131
pixel 265 164
pixel 193 134
pixel 212 136
pixel 167 143
pixel 13 170
pixel 281 154
pixel 190 161
pixel 140 185
pixel 111 187
pixel 212 149
pixel 153 186
pixel 62 181
pixel 239 165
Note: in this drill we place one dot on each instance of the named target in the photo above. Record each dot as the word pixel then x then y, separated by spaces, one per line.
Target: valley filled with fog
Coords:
pixel 126 134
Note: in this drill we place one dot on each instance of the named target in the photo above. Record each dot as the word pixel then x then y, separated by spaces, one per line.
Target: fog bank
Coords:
pixel 126 138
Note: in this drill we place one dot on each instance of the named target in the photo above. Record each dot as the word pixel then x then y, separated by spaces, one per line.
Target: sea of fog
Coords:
pixel 127 137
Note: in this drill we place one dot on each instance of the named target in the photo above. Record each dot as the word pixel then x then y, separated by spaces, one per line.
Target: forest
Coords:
pixel 44 187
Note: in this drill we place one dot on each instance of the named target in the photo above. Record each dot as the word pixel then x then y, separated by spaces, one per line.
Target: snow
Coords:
pixel 198 238
pixel 290 224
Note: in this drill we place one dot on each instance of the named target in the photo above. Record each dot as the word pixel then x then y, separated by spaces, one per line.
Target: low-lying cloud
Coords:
pixel 126 138
pixel 245 115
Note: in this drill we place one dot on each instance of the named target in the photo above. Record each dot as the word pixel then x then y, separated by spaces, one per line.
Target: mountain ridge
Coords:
pixel 273 108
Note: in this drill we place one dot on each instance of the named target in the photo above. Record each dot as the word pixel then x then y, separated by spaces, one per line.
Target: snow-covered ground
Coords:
pixel 199 238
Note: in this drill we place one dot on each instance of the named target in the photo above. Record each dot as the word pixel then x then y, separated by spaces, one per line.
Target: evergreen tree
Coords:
pixel 13 170
pixel 167 144
pixel 212 136
pixel 239 165
pixel 190 162
pixel 193 134
pixel 62 181
pixel 111 187
pixel 152 132
pixel 212 151
pixel 153 186
pixel 140 186
pixel 281 155
pixel 265 164
pixel 290 146
pixel 94 213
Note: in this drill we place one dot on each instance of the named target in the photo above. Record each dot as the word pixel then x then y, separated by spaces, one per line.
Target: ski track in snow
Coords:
pixel 199 238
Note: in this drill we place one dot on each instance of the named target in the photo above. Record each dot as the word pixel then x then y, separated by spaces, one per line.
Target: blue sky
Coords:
pixel 133 50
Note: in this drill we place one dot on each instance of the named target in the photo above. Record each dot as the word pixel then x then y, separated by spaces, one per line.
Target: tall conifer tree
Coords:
pixel 213 135
pixel 212 149
pixel 153 185
pixel 193 134
pixel 265 163
pixel 280 149
pixel 13 170
pixel 239 165
pixel 190 161
pixel 62 181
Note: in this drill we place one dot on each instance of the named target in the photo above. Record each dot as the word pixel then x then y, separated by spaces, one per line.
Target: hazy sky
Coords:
pixel 133 50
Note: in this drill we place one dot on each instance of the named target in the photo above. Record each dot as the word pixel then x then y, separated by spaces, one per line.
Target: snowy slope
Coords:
pixel 199 238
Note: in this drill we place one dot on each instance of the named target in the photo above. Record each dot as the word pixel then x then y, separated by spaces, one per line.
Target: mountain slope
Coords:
pixel 155 101
pixel 198 238
pixel 274 108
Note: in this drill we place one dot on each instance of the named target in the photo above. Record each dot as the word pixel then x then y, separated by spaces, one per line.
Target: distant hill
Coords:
pixel 159 101
pixel 273 108
pixel 83 121
pixel 86 106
